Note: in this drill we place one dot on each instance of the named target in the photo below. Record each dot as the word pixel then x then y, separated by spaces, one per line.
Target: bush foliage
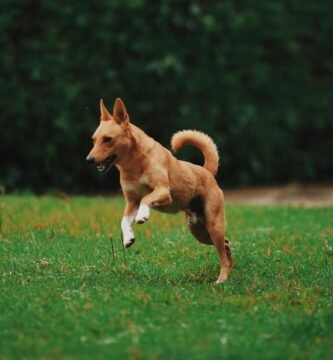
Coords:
pixel 256 76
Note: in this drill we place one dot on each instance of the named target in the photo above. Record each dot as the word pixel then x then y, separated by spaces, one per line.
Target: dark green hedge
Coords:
pixel 255 75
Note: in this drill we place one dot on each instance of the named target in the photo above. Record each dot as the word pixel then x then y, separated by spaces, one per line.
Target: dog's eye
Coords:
pixel 107 139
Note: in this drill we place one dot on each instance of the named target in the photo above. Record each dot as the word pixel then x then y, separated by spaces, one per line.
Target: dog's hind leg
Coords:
pixel 199 230
pixel 228 251
pixel 214 214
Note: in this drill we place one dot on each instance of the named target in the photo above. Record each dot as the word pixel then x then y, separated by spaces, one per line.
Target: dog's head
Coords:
pixel 112 138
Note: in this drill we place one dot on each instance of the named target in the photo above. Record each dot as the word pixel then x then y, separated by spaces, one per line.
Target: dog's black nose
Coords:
pixel 90 160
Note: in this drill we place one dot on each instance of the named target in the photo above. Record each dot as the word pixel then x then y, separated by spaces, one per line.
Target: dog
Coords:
pixel 152 178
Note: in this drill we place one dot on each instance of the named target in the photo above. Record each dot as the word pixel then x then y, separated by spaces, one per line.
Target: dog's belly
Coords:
pixel 172 208
pixel 179 203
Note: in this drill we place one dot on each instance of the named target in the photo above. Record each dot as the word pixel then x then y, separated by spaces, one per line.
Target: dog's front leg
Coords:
pixel 127 231
pixel 159 197
pixel 130 212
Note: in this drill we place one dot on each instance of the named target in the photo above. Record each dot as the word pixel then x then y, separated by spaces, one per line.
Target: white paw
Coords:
pixel 128 242
pixel 143 214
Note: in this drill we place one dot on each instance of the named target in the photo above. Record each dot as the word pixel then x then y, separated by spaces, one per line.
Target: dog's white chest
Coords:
pixel 140 187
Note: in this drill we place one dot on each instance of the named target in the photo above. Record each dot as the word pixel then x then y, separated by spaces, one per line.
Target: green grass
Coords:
pixel 63 295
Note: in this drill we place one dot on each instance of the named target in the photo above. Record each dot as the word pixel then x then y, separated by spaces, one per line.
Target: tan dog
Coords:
pixel 152 178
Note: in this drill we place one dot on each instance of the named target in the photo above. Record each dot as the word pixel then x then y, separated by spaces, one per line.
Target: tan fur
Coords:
pixel 151 177
pixel 202 142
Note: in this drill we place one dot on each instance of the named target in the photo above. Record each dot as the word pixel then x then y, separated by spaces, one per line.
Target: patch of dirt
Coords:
pixel 294 195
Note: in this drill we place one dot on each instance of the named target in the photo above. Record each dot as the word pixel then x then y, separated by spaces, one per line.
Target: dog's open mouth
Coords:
pixel 106 165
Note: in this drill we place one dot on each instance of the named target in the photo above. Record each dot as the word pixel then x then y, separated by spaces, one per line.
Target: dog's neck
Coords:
pixel 140 147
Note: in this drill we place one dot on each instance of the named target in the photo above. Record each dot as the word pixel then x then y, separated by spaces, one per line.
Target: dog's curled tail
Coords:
pixel 201 141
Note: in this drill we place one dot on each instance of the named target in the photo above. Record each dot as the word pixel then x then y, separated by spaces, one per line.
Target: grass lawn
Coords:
pixel 64 295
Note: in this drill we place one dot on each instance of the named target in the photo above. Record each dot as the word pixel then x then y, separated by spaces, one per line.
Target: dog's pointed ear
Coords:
pixel 105 115
pixel 120 113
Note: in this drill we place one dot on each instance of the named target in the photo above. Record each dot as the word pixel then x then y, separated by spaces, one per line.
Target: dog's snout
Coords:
pixel 90 159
